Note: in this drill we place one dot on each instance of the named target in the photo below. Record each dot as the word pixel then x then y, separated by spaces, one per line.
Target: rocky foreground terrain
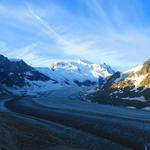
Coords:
pixel 16 134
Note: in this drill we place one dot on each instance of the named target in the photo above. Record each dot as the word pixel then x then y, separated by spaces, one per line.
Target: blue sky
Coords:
pixel 113 31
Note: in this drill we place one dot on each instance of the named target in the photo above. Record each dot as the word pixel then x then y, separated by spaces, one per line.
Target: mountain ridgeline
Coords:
pixel 80 73
pixel 18 77
pixel 17 72
pixel 130 87
pixel 117 88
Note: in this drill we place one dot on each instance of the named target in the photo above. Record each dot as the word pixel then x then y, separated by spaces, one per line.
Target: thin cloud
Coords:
pixel 107 33
pixel 49 30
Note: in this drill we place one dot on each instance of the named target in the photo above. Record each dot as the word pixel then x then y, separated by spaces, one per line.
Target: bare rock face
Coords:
pixel 145 69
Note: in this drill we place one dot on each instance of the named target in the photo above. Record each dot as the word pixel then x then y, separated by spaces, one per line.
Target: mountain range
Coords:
pixel 18 77
pixel 129 88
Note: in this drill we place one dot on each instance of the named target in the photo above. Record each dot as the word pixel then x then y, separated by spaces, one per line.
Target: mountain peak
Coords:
pixel 82 69
pixel 16 73
pixel 83 61
pixel 130 85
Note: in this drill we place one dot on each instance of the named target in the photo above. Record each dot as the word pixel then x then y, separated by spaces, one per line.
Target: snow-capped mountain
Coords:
pixel 81 72
pixel 18 77
pixel 18 73
pixel 133 84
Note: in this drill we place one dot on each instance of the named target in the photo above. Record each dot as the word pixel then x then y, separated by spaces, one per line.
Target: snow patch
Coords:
pixel 141 98
pixel 131 107
pixel 28 73
pixel 146 108
pixel 14 60
pixel 122 76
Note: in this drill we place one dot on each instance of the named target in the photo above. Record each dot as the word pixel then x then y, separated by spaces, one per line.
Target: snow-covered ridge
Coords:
pixel 24 79
pixel 77 72
pixel 84 67
pixel 141 98
pixel 135 78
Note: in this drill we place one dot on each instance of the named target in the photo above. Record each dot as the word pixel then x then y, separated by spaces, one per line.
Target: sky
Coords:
pixel 116 32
